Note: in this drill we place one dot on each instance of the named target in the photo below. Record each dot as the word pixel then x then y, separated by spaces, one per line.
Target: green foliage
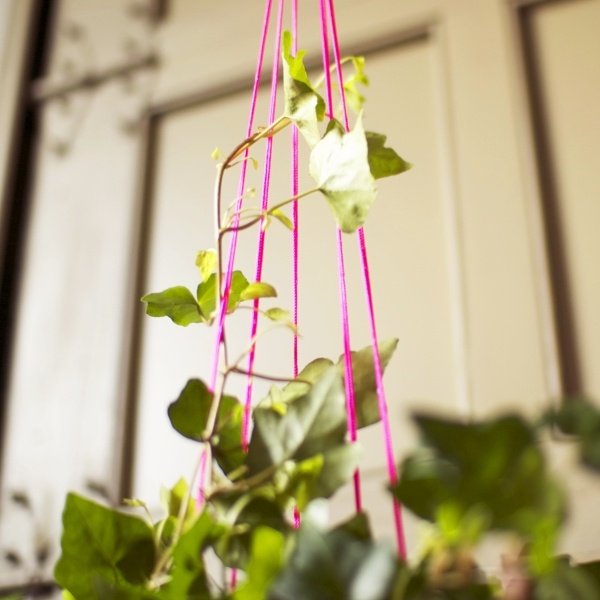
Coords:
pixel 343 564
pixel 340 167
pixel 471 478
pixel 101 544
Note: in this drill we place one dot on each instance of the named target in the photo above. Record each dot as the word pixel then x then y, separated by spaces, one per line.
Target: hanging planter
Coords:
pixel 260 469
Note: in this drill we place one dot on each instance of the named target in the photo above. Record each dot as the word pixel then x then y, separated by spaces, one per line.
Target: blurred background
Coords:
pixel 483 258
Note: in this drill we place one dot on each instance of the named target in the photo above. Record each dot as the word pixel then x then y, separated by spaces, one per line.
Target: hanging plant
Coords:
pixel 465 479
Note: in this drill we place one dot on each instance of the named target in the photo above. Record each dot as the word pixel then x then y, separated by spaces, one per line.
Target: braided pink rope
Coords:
pixel 261 233
pixel 383 409
pixel 295 220
pixel 241 186
pixel 348 375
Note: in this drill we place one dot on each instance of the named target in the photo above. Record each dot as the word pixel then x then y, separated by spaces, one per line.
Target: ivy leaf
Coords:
pixel 567 581
pixel 578 416
pixel 266 561
pixel 302 103
pixel 233 547
pixel 383 162
pixel 312 424
pixel 258 289
pixel 207 294
pixel 188 575
pixel 104 543
pixel 353 97
pixel 340 167
pixel 278 314
pixel 171 500
pixel 495 466
pixel 177 303
pixel 189 413
pixel 206 261
pixel 282 217
pixel 365 387
pixel 335 566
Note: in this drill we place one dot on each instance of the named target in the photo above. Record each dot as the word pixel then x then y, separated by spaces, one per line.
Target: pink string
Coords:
pixel 261 233
pixel 201 479
pixel 241 186
pixel 348 375
pixel 295 220
pixel 383 408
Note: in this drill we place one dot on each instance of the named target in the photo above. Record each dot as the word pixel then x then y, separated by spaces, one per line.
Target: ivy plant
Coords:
pixel 466 479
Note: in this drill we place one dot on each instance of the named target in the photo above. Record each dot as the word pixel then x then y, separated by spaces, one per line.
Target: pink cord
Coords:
pixel 383 409
pixel 241 186
pixel 261 233
pixel 348 375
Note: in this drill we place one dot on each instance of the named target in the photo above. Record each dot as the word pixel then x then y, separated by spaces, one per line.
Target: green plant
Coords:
pixel 299 452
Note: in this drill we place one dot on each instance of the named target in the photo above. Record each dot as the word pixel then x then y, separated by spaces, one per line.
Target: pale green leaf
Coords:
pixel 207 294
pixel 353 96
pixel 177 303
pixel 282 217
pixel 258 289
pixel 339 165
pixel 383 161
pixel 206 261
pixel 278 314
pixel 302 103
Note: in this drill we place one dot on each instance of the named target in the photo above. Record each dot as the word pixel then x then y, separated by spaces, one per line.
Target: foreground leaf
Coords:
pixel 492 471
pixel 266 561
pixel 340 167
pixel 338 565
pixel 258 289
pixel 103 543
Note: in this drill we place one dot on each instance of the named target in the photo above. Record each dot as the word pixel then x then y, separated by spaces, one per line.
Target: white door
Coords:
pixel 463 249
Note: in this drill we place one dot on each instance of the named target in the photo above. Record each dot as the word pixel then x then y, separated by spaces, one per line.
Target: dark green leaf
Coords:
pixel 335 566
pixel 494 468
pixel 578 416
pixel 103 543
pixel 234 546
pixel 266 560
pixel 302 103
pixel 177 303
pixel 383 162
pixel 312 424
pixel 189 414
pixel 566 582
pixel 339 165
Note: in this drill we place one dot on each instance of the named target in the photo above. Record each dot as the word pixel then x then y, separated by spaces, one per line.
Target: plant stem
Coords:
pixel 235 369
